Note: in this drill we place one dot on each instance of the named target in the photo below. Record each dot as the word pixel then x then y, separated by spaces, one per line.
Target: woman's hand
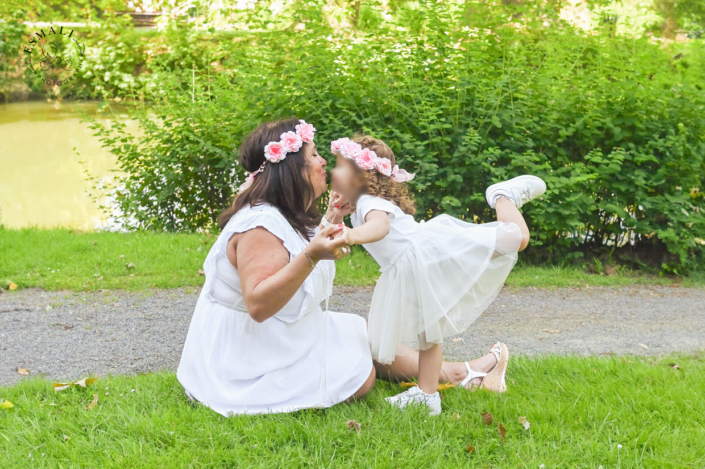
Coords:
pixel 338 207
pixel 327 245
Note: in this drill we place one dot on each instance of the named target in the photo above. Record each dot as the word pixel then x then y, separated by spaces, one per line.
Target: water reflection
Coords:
pixel 42 182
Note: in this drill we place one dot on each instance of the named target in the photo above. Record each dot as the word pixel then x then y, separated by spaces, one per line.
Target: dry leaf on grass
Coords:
pixel 526 423
pixel 93 403
pixel 200 272
pixel 469 449
pixel 12 286
pixel 7 405
pixel 502 431
pixel 487 418
pixel 82 383
pixel 66 437
pixel 353 425
pixel 22 371
pixel 441 386
pixel 456 416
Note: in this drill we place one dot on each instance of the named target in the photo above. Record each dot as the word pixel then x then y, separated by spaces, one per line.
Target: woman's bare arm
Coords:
pixel 267 277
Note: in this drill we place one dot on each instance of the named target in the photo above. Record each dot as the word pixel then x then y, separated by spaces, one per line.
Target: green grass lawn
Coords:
pixel 580 409
pixel 61 259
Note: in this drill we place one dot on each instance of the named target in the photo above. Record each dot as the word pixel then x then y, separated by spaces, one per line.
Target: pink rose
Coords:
pixel 305 131
pixel 384 166
pixel 350 149
pixel 336 144
pixel 292 142
pixel 274 152
pixel 401 175
pixel 366 159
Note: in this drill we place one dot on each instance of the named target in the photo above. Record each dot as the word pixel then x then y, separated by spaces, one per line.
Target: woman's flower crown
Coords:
pixel 274 152
pixel 368 160
pixel 290 142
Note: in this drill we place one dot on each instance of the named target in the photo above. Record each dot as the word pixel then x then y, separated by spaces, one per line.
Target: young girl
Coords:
pixel 437 276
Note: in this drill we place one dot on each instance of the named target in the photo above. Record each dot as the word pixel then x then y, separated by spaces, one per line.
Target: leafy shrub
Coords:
pixel 178 173
pixel 615 125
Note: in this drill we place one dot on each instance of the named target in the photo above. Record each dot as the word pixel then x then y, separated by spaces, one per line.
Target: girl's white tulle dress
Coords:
pixel 302 357
pixel 437 276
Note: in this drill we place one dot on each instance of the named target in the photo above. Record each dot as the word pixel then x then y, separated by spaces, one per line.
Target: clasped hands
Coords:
pixel 330 242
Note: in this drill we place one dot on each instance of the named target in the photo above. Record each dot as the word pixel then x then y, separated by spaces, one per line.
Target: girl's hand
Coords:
pixel 324 246
pixel 338 207
pixel 346 235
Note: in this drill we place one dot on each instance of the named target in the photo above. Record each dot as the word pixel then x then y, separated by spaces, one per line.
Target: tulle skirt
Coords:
pixel 438 286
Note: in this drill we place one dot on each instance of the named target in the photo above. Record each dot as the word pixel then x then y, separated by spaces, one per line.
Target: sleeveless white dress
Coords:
pixel 302 357
pixel 437 276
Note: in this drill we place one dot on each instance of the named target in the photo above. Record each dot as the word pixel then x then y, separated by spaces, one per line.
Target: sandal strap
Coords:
pixel 496 350
pixel 472 374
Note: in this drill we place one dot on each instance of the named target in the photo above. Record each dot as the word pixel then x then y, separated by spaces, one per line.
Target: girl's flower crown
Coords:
pixel 368 160
pixel 274 152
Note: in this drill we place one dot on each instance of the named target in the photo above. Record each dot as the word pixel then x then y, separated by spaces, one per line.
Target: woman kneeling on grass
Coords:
pixel 259 341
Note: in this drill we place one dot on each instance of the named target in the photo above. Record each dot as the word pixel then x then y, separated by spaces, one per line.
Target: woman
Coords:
pixel 259 341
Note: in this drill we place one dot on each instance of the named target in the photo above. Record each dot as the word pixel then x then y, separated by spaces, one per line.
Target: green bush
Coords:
pixel 615 125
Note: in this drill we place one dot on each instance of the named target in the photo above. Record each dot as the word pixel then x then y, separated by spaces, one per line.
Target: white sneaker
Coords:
pixel 415 396
pixel 519 190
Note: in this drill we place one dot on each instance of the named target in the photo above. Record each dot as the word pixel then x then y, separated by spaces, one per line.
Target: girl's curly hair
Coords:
pixel 378 184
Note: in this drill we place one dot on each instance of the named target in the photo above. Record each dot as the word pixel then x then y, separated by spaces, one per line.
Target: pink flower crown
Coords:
pixel 368 160
pixel 290 142
pixel 274 152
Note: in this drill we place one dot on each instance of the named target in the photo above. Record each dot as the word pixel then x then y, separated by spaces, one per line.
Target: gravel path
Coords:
pixel 69 335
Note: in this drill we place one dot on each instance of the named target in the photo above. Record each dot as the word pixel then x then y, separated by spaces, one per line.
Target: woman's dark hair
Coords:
pixel 285 185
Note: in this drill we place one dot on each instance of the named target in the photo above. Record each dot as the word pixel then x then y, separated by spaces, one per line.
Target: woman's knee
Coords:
pixel 366 386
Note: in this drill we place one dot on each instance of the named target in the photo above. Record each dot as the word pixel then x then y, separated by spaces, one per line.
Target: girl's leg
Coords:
pixel 508 213
pixel 430 362
pixel 406 366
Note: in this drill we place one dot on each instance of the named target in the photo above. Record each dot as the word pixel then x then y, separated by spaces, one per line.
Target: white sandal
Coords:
pixel 494 380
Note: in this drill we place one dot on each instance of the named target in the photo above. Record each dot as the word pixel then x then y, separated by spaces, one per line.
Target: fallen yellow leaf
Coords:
pixel 441 386
pixel 93 403
pixel 22 371
pixel 12 286
pixel 82 383
pixel 526 423
pixel 85 382
pixel 7 405
pixel 469 449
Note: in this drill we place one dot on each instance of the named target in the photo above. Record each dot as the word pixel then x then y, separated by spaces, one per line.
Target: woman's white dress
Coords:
pixel 302 357
pixel 437 276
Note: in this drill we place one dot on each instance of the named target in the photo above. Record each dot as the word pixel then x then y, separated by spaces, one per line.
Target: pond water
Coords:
pixel 42 179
